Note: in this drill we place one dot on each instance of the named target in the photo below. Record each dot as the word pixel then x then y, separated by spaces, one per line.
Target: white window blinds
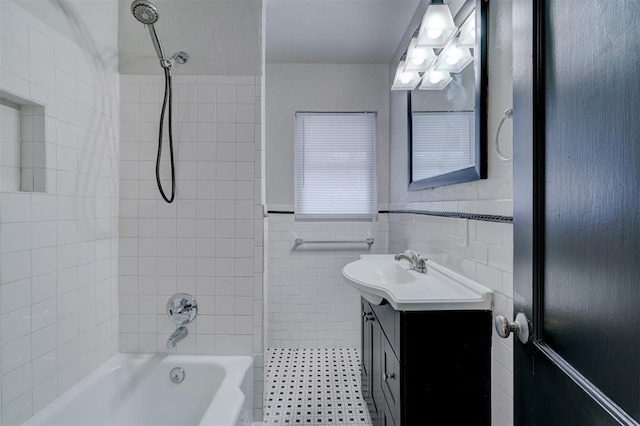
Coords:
pixel 442 142
pixel 335 166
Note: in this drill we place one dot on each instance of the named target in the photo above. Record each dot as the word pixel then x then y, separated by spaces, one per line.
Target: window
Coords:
pixel 335 166
pixel 442 142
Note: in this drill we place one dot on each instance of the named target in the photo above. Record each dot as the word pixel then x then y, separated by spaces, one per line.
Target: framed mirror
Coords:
pixel 447 110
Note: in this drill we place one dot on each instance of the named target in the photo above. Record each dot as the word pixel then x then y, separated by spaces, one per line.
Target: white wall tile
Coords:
pixel 15 383
pixel 168 248
pixel 15 295
pixel 16 354
pixel 44 236
pixel 490 256
pixel 15 266
pixel 300 278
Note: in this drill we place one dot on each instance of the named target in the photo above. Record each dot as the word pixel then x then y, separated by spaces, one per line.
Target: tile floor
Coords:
pixel 314 386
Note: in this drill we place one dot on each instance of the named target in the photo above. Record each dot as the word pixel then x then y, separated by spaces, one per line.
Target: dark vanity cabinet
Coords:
pixel 426 368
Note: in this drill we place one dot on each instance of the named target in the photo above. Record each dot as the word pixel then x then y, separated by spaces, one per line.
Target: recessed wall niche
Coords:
pixel 23 162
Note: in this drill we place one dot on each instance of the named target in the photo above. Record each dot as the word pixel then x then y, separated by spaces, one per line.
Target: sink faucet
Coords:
pixel 176 336
pixel 418 263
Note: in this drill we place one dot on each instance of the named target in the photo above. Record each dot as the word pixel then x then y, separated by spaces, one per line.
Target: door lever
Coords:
pixel 519 327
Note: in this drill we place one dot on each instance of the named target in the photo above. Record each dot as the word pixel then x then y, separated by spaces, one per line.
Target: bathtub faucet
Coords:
pixel 176 336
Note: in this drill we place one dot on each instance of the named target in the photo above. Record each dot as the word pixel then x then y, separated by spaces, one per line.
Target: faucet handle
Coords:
pixel 421 264
pixel 182 308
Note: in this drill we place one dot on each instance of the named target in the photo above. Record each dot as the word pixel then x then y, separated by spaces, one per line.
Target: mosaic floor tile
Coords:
pixel 314 386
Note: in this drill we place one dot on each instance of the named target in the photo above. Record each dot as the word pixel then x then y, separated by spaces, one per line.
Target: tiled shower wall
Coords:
pixel 59 261
pixel 487 258
pixel 209 242
pixel 311 305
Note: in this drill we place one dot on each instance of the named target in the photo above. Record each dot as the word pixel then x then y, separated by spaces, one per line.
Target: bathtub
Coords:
pixel 135 389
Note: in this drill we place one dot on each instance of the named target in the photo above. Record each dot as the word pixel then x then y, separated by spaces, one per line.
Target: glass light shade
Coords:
pixel 419 59
pixel 437 27
pixel 468 32
pixel 435 80
pixel 405 80
pixel 454 58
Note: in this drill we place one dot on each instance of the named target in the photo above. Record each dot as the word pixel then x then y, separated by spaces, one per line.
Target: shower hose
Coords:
pixel 165 102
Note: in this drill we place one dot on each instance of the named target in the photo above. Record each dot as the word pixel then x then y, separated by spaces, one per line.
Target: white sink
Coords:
pixel 380 277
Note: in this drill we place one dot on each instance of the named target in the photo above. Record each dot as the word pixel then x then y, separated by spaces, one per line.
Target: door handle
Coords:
pixel 519 327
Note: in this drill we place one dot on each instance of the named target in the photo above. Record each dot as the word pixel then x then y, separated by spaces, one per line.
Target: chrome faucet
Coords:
pixel 176 336
pixel 417 262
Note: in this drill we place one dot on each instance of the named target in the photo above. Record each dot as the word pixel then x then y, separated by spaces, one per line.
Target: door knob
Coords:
pixel 519 327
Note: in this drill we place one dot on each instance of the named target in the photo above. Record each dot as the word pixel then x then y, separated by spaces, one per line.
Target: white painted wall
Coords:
pixel 59 260
pixel 320 88
pixel 222 37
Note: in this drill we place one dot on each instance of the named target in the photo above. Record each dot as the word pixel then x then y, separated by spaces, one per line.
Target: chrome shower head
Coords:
pixel 145 12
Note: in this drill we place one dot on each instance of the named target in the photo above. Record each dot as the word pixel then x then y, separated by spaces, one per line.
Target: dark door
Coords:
pixel 577 210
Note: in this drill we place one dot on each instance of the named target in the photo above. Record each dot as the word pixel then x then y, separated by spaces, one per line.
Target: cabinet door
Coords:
pixel 385 418
pixel 366 351
pixel 390 378
pixel 376 390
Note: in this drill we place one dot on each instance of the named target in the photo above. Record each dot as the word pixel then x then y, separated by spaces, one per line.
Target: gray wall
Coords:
pixel 323 88
pixel 91 25
pixel 493 195
pixel 222 37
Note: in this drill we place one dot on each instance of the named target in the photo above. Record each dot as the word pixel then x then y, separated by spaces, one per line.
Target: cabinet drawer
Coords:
pixel 389 320
pixel 390 378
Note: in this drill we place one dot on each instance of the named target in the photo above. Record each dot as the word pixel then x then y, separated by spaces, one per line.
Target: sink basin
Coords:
pixel 380 277
pixel 384 273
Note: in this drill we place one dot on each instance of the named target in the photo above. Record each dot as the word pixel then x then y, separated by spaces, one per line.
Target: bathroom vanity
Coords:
pixel 426 367
pixel 426 344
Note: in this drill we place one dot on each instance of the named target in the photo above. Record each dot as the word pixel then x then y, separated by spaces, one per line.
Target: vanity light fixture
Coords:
pixel 435 80
pixel 438 50
pixel 405 80
pixel 468 32
pixel 418 59
pixel 437 27
pixel 454 58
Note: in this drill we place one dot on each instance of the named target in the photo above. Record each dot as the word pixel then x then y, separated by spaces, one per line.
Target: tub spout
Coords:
pixel 176 336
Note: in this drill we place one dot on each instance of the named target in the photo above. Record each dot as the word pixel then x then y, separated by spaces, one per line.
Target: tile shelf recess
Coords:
pixel 23 165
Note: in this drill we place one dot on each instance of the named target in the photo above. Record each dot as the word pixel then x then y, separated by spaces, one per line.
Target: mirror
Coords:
pixel 447 111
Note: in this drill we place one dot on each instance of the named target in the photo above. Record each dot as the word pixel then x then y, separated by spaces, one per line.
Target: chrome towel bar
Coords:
pixel 300 241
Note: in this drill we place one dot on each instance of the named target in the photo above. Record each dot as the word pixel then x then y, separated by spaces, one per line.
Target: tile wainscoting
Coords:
pixel 486 258
pixel 310 303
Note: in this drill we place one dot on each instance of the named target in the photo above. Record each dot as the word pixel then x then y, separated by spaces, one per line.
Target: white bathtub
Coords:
pixel 135 389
